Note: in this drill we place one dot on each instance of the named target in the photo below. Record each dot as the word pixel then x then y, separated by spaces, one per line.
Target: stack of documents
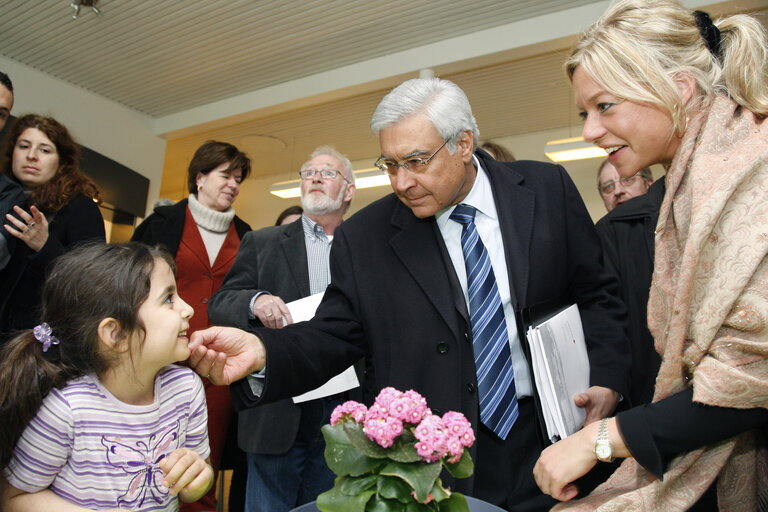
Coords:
pixel 561 370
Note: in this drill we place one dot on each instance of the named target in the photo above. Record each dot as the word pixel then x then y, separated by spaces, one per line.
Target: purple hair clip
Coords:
pixel 42 334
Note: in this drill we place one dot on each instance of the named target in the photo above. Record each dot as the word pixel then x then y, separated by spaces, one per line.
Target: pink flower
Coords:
pixel 349 410
pixel 385 398
pixel 410 407
pixel 458 426
pixel 383 430
pixel 432 438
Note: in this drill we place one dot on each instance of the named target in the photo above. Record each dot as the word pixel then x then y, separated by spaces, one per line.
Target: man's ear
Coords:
pixel 111 335
pixel 350 192
pixel 466 145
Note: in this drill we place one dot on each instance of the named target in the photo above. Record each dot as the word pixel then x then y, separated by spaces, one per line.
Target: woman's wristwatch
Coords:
pixel 603 448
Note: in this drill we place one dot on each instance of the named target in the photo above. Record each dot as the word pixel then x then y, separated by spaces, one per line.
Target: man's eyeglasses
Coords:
pixel 413 164
pixel 609 186
pixel 326 174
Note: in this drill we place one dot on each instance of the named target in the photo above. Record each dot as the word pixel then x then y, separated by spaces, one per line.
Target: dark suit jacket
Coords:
pixel 394 294
pixel 272 260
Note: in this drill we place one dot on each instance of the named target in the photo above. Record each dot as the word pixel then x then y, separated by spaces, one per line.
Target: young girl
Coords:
pixel 95 416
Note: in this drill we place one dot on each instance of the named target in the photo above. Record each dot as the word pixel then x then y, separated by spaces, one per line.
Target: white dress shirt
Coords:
pixel 487 223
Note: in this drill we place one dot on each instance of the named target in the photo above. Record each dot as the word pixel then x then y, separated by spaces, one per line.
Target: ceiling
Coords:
pixel 162 57
pixel 172 59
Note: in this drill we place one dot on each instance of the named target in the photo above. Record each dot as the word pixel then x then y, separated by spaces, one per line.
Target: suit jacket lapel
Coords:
pixel 295 251
pixel 514 205
pixel 420 248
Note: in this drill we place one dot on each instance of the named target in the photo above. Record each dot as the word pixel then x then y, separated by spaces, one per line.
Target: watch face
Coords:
pixel 603 451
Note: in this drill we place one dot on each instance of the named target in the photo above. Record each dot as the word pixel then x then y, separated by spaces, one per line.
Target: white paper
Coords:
pixel 561 370
pixel 304 309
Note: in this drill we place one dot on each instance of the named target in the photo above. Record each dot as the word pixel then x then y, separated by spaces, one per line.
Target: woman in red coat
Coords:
pixel 203 233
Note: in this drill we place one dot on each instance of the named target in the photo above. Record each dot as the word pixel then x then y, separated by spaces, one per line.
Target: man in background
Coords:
pixel 615 190
pixel 275 265
pixel 11 193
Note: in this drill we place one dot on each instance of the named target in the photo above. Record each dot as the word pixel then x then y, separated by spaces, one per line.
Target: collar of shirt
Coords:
pixel 480 197
pixel 314 231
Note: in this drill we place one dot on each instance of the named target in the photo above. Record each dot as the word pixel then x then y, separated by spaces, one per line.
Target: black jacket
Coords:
pixel 21 282
pixel 627 235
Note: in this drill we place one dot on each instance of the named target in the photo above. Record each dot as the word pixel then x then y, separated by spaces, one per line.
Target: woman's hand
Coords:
pixel 32 229
pixel 573 457
pixel 187 474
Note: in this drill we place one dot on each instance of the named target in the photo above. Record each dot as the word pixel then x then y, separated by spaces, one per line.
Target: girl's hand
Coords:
pixel 187 474
pixel 32 229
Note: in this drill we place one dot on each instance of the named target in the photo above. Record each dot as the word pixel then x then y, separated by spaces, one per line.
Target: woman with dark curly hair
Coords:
pixel 41 156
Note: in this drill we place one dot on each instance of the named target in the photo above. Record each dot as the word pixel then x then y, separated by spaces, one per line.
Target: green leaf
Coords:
pixel 404 448
pixel 342 456
pixel 463 468
pixel 456 503
pixel 421 477
pixel 438 492
pixel 357 485
pixel 379 504
pixel 358 438
pixel 336 501
pixel 394 488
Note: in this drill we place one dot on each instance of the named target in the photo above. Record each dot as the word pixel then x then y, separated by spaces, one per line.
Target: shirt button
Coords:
pixel 442 347
pixel 205 300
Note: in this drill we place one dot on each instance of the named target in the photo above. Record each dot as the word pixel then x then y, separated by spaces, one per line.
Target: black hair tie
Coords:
pixel 708 31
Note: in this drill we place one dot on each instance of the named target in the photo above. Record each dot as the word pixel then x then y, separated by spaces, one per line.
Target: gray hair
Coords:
pixel 441 101
pixel 331 151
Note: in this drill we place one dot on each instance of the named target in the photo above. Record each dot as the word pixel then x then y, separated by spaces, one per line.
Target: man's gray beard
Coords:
pixel 314 205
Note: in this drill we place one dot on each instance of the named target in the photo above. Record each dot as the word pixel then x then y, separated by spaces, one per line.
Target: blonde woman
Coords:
pixel 657 83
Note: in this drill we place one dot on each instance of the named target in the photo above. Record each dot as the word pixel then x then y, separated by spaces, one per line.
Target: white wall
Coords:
pixel 530 146
pixel 105 126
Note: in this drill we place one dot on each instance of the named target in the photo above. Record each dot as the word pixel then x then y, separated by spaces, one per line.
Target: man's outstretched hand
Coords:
pixel 225 354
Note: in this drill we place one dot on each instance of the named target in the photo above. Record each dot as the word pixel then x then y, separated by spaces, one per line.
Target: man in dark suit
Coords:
pixel 399 289
pixel 275 265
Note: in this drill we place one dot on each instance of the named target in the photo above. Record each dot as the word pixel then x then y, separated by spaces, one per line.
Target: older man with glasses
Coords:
pixel 433 280
pixel 275 265
pixel 616 190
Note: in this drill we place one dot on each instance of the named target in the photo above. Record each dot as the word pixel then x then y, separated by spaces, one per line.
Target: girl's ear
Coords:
pixel 110 335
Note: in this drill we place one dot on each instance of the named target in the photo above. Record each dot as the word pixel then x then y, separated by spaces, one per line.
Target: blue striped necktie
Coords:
pixel 490 339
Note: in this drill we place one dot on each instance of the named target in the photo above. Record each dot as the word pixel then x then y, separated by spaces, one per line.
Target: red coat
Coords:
pixel 196 279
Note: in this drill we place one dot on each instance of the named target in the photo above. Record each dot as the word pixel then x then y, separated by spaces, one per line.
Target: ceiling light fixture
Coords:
pixel 364 178
pixel 79 4
pixel 575 148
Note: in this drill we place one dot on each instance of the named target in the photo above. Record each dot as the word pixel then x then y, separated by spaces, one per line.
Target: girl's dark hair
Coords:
pixel 68 182
pixel 85 286
pixel 211 155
